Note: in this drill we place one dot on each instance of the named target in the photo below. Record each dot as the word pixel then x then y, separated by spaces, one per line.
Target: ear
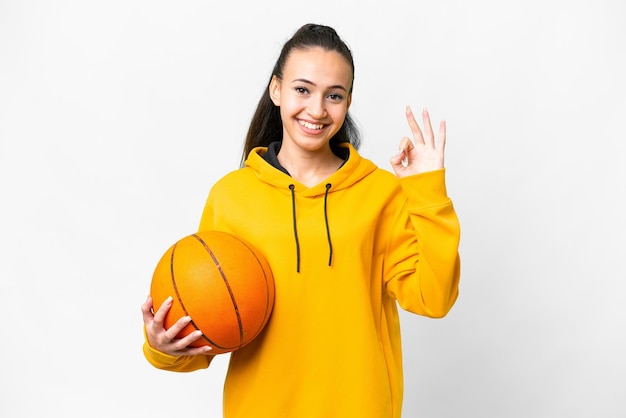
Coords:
pixel 274 90
pixel 349 101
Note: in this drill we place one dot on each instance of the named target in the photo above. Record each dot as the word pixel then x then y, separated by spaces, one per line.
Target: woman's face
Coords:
pixel 313 95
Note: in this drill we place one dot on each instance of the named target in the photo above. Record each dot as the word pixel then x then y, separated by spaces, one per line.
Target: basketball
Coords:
pixel 221 282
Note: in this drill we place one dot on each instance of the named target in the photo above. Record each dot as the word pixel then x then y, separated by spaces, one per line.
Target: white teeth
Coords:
pixel 311 125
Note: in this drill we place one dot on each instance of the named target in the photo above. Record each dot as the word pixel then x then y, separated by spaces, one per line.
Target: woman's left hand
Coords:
pixel 422 155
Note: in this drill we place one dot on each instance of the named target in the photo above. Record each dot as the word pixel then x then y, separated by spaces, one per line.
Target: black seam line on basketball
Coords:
pixel 230 291
pixel 214 344
pixel 182 305
pixel 267 302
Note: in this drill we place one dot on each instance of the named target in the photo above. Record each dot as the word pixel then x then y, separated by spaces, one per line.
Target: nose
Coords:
pixel 316 108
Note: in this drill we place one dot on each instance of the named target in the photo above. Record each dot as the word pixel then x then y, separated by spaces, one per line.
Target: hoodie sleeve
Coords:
pixel 422 264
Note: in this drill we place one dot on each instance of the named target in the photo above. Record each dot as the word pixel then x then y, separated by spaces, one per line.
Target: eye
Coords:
pixel 335 97
pixel 301 90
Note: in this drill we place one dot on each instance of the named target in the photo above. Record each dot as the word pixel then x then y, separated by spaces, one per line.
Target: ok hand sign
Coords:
pixel 423 155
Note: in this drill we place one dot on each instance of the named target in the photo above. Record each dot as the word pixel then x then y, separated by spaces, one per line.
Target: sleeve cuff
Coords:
pixel 425 190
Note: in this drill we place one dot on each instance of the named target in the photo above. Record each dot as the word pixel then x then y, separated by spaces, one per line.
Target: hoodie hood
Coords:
pixel 264 163
pixel 353 170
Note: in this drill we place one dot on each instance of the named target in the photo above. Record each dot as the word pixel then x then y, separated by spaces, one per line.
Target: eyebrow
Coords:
pixel 304 80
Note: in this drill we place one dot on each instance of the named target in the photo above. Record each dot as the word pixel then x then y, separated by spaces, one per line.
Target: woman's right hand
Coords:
pixel 164 340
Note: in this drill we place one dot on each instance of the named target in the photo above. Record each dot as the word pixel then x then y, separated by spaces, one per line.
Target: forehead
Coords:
pixel 319 66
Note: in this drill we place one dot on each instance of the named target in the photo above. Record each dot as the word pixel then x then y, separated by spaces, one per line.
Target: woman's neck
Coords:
pixel 309 168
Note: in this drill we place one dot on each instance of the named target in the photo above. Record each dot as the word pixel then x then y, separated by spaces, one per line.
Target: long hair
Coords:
pixel 266 125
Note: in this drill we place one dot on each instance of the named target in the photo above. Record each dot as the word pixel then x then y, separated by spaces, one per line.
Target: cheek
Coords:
pixel 289 105
pixel 339 114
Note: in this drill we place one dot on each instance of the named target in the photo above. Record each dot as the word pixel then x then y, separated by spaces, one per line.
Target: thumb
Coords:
pixel 397 159
pixel 406 145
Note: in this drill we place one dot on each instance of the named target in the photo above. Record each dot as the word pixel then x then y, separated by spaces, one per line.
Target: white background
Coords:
pixel 116 117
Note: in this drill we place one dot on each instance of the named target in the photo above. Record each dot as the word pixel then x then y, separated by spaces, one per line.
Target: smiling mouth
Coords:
pixel 309 125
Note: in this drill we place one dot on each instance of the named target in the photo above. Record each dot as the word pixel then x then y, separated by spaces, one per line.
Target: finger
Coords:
pixel 401 158
pixel 415 129
pixel 160 314
pixel 406 145
pixel 177 327
pixel 205 349
pixel 193 351
pixel 146 310
pixel 428 129
pixel 188 339
pixel 396 160
pixel 442 135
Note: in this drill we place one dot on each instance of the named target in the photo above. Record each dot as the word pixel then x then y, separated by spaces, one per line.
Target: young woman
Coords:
pixel 346 241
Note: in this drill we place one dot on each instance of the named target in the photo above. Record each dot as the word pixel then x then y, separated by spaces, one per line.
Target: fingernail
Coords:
pixel 168 300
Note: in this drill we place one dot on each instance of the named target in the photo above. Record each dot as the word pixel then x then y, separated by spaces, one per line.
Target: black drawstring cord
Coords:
pixel 295 229
pixel 330 244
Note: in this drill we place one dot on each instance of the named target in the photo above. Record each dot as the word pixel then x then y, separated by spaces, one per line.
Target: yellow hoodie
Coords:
pixel 343 254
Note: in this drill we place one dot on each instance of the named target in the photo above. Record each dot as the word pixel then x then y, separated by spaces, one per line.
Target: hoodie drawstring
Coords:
pixel 330 244
pixel 295 225
pixel 295 228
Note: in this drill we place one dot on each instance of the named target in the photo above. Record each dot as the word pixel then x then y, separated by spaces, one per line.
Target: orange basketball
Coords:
pixel 224 285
